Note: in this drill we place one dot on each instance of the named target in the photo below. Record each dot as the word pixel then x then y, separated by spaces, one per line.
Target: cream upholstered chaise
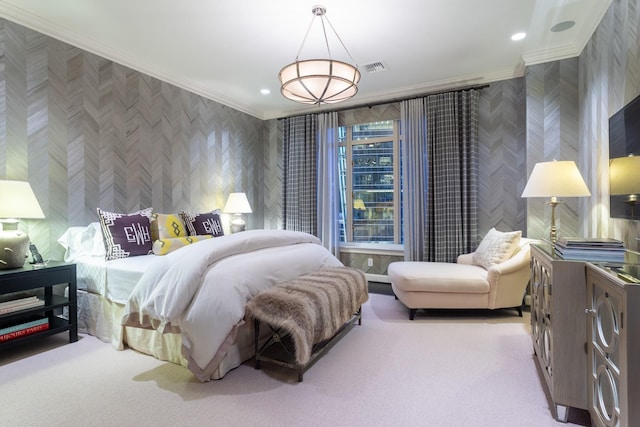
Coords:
pixel 494 276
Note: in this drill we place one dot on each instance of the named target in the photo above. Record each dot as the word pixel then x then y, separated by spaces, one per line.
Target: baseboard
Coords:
pixel 380 288
pixel 382 278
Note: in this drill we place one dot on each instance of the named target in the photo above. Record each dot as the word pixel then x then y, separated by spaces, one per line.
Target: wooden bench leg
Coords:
pixel 412 313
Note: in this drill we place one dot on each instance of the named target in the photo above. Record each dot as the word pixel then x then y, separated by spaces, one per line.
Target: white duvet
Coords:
pixel 200 291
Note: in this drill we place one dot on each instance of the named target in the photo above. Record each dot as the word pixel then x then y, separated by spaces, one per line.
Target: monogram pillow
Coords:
pixel 203 223
pixel 126 235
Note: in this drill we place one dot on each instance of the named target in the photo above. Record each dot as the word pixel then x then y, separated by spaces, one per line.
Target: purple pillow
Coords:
pixel 126 235
pixel 203 223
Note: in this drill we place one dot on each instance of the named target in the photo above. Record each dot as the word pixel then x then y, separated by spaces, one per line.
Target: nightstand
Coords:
pixel 16 282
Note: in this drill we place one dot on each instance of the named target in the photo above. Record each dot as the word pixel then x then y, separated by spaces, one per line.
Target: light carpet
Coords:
pixel 446 368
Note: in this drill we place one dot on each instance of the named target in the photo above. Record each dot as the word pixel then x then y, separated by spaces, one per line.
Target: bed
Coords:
pixel 187 306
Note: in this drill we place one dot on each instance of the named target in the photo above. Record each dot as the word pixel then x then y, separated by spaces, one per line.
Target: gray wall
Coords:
pixel 609 77
pixel 568 105
pixel 501 157
pixel 552 133
pixel 87 133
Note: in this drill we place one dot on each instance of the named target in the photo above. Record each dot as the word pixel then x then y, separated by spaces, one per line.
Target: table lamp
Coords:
pixel 237 204
pixel 624 174
pixel 16 201
pixel 555 179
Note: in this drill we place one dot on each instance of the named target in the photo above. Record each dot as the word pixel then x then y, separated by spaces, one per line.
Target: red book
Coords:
pixel 24 332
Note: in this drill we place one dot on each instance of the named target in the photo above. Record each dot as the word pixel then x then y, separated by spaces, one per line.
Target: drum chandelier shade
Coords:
pixel 319 81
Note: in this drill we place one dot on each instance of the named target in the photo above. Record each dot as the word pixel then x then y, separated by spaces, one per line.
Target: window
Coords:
pixel 370 182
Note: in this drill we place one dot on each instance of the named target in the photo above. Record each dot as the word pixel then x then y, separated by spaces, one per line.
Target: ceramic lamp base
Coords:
pixel 13 248
pixel 238 224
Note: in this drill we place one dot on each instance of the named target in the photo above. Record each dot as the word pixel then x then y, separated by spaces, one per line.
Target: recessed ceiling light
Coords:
pixel 562 26
pixel 518 36
pixel 265 91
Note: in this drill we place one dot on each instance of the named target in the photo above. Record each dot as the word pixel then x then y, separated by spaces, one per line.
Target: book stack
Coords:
pixel 18 304
pixel 22 328
pixel 591 249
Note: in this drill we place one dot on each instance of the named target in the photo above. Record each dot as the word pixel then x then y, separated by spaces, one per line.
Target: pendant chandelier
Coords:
pixel 319 81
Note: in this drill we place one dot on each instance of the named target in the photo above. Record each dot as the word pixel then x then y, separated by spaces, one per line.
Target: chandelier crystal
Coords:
pixel 319 81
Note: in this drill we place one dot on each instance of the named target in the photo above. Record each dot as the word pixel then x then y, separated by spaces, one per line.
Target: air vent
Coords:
pixel 374 67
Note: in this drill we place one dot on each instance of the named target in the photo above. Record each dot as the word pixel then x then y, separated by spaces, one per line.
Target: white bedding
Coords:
pixel 113 279
pixel 200 291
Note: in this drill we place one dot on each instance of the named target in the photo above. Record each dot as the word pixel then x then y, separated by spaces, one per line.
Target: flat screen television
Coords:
pixel 624 161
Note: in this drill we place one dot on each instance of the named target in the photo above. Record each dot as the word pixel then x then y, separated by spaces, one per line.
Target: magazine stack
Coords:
pixel 21 327
pixel 603 250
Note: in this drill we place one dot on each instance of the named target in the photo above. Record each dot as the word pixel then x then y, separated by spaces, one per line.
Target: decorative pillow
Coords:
pixel 164 246
pixel 167 226
pixel 203 223
pixel 126 235
pixel 496 247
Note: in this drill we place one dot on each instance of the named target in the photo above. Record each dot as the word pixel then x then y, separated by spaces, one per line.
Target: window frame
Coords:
pixel 348 143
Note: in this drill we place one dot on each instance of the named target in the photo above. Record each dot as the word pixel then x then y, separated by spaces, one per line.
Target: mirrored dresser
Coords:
pixel 558 327
pixel 613 344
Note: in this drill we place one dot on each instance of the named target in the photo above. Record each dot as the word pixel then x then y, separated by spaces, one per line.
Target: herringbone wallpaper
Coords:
pixel 552 134
pixel 609 71
pixel 501 156
pixel 87 132
pixel 568 104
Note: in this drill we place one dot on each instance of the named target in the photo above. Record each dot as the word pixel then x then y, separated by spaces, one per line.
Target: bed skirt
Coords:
pixel 99 317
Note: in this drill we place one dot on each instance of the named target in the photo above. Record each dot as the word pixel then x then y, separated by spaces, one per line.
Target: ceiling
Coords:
pixel 229 50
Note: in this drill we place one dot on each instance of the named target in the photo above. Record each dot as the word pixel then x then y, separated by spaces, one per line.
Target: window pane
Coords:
pixel 342 180
pixel 373 130
pixel 342 134
pixel 373 194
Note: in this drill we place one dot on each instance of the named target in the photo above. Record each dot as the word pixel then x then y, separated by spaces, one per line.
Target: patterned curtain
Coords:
pixel 449 188
pixel 300 186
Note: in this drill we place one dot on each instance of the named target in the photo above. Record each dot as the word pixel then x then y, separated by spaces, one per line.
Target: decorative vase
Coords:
pixel 13 248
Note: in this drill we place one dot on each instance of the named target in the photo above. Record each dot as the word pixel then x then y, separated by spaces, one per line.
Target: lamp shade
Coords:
pixel 624 175
pixel 555 179
pixel 17 200
pixel 319 81
pixel 237 203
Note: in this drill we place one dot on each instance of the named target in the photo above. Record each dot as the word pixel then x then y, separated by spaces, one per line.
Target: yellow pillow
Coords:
pixel 164 246
pixel 167 226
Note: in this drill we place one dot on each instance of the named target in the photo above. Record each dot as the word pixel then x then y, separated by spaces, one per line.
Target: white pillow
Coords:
pixel 496 247
pixel 82 241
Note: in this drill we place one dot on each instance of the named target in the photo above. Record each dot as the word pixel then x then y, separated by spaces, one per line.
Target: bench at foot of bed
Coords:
pixel 307 315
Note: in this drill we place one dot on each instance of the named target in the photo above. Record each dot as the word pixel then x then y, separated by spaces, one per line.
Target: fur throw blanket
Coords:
pixel 313 307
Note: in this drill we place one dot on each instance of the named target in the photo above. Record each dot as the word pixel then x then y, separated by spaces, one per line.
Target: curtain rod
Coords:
pixel 391 101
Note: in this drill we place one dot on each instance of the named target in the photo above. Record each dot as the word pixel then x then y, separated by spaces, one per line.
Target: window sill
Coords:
pixel 373 248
